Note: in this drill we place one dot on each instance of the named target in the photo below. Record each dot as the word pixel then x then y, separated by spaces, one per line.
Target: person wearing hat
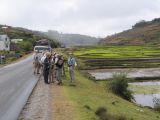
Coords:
pixel 71 66
pixel 46 66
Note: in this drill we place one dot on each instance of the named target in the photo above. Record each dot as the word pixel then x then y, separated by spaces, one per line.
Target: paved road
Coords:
pixel 16 83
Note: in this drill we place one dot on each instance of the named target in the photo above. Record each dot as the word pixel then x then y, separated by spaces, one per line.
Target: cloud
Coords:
pixel 91 17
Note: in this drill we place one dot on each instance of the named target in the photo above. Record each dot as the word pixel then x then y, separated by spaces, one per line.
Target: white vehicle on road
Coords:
pixel 42 49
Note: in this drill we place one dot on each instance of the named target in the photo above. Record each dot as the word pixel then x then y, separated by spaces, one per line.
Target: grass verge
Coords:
pixel 88 95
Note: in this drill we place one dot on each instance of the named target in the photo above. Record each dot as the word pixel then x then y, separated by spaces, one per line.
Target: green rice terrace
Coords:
pixel 102 57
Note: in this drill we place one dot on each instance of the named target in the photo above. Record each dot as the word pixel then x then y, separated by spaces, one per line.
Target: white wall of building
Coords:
pixel 4 43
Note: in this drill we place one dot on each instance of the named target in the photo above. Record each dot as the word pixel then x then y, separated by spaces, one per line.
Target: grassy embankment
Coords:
pixel 88 95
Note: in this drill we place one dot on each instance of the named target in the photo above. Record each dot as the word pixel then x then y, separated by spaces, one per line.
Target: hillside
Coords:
pixel 26 34
pixel 143 32
pixel 72 39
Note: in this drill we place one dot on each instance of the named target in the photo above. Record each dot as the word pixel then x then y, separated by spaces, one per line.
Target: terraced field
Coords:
pixel 119 56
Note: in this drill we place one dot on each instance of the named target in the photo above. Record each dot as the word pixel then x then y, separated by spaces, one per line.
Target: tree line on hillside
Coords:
pixel 144 23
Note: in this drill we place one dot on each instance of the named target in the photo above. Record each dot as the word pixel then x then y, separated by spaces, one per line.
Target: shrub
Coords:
pixel 141 23
pixel 156 102
pixel 101 112
pixel 26 46
pixel 122 118
pixel 119 86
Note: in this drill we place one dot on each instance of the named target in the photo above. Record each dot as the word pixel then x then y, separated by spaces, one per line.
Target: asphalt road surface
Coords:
pixel 16 84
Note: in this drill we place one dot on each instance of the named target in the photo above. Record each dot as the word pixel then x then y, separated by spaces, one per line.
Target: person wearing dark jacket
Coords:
pixel 46 67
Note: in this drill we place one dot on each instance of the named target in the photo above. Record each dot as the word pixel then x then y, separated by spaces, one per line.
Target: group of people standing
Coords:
pixel 51 66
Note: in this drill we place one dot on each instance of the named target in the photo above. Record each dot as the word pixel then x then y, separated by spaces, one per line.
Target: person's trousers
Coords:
pixel 59 74
pixel 45 74
pixel 51 74
pixel 71 73
pixel 37 67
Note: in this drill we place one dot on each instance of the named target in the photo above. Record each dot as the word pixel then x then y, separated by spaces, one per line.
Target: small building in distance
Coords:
pixel 16 40
pixel 4 42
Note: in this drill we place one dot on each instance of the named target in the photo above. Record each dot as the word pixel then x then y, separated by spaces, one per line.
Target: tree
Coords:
pixel 141 23
pixel 26 46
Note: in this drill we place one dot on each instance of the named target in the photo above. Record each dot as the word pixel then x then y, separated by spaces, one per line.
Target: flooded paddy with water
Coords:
pixel 144 92
pixel 131 73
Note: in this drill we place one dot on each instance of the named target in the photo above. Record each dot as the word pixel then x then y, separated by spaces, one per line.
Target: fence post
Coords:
pixel 0 59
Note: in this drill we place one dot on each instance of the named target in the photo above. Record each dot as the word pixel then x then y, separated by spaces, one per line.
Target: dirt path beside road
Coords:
pixel 61 107
pixel 47 102
pixel 38 105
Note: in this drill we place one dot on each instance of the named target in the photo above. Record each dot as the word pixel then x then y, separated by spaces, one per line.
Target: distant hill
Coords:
pixel 143 32
pixel 72 39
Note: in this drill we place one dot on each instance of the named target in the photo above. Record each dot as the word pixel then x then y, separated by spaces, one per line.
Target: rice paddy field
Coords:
pixel 118 52
pixel 95 57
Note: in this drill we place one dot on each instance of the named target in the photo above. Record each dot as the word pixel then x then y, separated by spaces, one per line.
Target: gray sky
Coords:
pixel 90 17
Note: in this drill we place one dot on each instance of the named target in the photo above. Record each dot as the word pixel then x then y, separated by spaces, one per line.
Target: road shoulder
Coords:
pixel 38 104
pixel 62 108
pixel 47 102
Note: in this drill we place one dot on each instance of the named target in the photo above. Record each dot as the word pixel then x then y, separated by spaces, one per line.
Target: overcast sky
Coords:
pixel 90 17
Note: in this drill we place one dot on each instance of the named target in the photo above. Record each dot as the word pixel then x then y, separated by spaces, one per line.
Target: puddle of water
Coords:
pixel 145 83
pixel 146 100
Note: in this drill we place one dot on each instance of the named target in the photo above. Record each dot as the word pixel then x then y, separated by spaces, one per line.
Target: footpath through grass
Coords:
pixel 88 95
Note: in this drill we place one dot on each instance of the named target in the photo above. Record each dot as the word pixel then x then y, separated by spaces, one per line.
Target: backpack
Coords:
pixel 36 57
pixel 42 59
pixel 71 62
pixel 60 62
pixel 53 59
